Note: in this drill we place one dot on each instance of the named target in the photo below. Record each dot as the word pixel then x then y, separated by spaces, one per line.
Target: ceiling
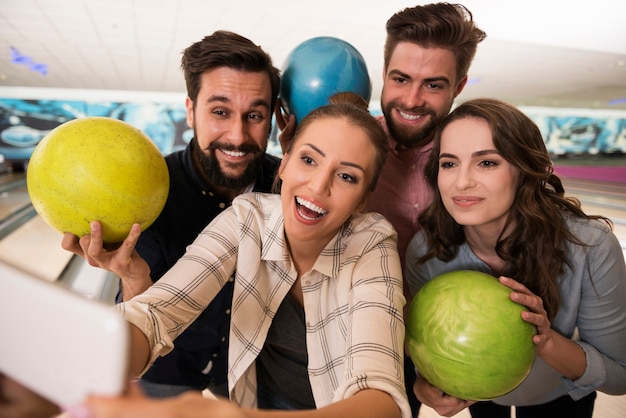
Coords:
pixel 558 53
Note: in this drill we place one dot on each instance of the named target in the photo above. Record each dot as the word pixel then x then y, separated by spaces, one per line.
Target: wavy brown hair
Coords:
pixel 535 250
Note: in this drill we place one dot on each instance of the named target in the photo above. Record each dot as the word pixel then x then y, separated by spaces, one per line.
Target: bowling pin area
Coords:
pixel 29 244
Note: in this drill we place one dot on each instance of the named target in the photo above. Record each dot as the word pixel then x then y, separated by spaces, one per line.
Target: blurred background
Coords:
pixel 562 62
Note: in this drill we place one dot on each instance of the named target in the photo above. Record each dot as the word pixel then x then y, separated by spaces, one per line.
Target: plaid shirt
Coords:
pixel 353 300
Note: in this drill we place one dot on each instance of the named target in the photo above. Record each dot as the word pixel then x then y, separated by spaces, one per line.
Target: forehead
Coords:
pixel 421 63
pixel 230 83
pixel 338 137
pixel 469 134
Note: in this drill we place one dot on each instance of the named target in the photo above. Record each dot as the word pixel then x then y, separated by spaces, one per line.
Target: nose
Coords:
pixel 237 131
pixel 320 182
pixel 465 178
pixel 414 97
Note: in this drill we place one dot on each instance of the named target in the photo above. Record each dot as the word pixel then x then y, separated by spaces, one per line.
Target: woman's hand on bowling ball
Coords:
pixel 122 259
pixel 444 405
pixel 287 125
pixel 536 313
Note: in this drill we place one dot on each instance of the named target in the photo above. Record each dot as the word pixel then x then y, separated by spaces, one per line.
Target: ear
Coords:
pixel 283 163
pixel 362 206
pixel 460 86
pixel 189 107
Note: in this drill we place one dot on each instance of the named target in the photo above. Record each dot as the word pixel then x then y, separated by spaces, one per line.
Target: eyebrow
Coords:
pixel 323 154
pixel 474 154
pixel 427 80
pixel 224 99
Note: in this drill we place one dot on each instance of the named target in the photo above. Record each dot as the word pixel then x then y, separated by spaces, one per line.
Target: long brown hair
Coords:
pixel 535 250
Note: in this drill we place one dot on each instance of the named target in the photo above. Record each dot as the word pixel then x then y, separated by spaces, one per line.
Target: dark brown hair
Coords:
pixel 436 25
pixel 535 250
pixel 226 49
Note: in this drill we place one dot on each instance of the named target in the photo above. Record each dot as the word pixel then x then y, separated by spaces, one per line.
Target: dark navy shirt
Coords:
pixel 199 358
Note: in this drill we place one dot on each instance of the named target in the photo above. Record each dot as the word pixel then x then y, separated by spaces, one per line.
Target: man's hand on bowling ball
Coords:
pixel 121 259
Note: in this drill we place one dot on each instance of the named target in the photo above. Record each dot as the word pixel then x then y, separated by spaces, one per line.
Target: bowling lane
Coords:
pixel 31 245
pixel 602 198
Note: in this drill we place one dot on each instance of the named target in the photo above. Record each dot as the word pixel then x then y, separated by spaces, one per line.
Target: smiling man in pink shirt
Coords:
pixel 427 55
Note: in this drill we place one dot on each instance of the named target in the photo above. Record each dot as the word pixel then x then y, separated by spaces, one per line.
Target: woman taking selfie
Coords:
pixel 316 324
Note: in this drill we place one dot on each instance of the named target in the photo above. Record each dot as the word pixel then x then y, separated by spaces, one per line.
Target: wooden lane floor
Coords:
pixel 28 243
pixel 602 198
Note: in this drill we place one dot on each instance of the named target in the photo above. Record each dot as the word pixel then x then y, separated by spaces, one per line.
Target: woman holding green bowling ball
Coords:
pixel 500 209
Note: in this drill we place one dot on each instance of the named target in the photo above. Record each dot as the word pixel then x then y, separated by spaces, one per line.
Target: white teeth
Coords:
pixel 409 116
pixel 233 153
pixel 311 206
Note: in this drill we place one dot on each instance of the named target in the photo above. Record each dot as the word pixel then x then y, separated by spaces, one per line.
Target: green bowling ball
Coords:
pixel 466 336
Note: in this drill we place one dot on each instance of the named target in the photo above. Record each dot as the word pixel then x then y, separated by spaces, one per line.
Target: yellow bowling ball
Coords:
pixel 97 168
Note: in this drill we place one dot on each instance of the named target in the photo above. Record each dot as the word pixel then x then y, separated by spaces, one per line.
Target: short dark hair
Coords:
pixel 436 25
pixel 226 49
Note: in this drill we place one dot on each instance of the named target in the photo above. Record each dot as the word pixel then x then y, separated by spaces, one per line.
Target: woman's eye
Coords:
pixel 348 178
pixel 307 160
pixel 488 163
pixel 446 164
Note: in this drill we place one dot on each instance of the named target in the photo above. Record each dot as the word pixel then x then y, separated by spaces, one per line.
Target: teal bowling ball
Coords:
pixel 466 336
pixel 318 68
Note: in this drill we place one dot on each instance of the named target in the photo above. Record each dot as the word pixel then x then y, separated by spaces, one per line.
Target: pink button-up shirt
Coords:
pixel 402 192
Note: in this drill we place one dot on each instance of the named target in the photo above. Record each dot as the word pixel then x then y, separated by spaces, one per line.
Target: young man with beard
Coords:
pixel 232 88
pixel 427 55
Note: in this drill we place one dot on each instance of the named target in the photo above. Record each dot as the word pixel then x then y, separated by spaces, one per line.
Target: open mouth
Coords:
pixel 410 116
pixel 308 210
pixel 230 153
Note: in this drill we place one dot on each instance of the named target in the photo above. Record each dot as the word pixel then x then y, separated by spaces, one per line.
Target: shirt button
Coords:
pixel 413 167
pixel 215 355
pixel 227 311
pixel 211 194
pixel 222 205
pixel 417 206
pixel 223 339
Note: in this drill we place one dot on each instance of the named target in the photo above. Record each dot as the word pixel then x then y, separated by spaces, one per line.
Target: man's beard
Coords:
pixel 404 135
pixel 212 171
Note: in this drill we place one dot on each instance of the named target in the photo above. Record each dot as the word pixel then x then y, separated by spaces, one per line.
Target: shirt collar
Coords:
pixel 275 248
pixel 399 149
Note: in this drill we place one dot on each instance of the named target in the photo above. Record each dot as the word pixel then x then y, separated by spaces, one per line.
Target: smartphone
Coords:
pixel 58 343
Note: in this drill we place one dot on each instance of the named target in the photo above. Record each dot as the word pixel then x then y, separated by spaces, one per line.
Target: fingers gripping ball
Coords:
pixel 318 68
pixel 466 336
pixel 97 168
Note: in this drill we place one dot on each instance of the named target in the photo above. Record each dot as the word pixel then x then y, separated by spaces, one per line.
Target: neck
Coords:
pixel 303 256
pixel 483 245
